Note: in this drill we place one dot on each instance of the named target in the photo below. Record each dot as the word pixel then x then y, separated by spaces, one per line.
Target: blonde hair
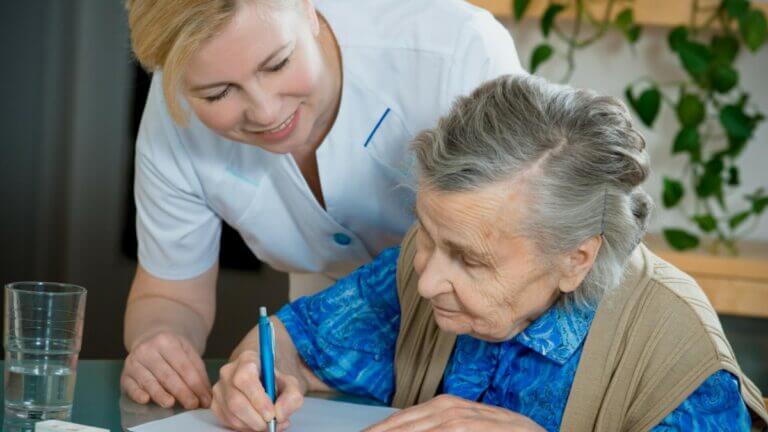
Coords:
pixel 166 33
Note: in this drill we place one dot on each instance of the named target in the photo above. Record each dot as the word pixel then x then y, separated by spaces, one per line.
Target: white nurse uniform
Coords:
pixel 403 64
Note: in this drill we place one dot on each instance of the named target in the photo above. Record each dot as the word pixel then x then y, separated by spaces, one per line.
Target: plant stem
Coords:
pixel 571 51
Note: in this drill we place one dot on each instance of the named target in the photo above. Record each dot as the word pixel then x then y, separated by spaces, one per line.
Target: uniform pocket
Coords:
pixel 388 144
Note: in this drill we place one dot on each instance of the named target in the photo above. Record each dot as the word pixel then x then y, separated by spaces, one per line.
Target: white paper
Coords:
pixel 316 415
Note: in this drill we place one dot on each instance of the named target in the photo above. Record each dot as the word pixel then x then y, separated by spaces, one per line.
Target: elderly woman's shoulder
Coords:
pixel 679 307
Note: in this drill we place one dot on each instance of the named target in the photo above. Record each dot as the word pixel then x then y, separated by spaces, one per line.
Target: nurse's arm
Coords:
pixel 184 307
pixel 167 323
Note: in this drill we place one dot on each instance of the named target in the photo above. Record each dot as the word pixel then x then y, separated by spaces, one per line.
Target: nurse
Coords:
pixel 289 120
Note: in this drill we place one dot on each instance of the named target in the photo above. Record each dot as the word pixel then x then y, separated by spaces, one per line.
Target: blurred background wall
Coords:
pixel 66 123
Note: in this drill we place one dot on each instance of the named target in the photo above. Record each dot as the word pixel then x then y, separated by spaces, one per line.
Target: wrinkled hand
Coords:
pixel 447 413
pixel 166 368
pixel 240 401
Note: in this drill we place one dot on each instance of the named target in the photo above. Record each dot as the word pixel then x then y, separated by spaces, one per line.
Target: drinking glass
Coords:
pixel 42 337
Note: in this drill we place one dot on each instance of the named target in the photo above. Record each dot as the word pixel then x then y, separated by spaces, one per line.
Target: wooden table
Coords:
pixel 736 285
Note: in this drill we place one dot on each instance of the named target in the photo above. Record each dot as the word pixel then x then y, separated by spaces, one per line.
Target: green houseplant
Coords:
pixel 716 122
pixel 716 118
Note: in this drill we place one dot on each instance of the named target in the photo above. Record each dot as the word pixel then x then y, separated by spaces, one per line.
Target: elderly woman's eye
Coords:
pixel 470 262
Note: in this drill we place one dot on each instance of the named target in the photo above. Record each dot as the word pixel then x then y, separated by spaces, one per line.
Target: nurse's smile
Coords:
pixel 270 78
pixel 282 131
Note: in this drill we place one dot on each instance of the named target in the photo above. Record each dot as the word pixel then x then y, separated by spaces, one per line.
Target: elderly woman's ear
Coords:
pixel 575 265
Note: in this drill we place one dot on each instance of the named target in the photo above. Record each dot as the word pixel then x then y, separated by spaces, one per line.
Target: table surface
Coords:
pixel 99 402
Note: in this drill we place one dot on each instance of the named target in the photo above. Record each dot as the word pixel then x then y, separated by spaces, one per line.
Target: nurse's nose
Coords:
pixel 262 109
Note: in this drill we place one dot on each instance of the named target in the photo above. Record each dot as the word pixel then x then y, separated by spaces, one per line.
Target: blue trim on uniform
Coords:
pixel 241 177
pixel 375 128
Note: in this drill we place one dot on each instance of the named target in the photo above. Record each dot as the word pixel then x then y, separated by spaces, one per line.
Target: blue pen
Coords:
pixel 267 351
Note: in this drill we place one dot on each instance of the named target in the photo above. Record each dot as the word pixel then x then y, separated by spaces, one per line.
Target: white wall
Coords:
pixel 608 65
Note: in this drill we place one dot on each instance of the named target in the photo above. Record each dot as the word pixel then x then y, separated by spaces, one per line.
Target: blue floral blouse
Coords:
pixel 347 333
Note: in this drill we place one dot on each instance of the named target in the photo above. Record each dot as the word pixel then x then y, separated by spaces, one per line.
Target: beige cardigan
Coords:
pixel 652 342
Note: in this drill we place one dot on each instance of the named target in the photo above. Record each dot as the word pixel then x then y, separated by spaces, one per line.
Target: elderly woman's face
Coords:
pixel 482 276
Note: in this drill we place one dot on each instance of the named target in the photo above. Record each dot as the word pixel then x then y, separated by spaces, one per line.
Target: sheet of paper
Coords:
pixel 316 415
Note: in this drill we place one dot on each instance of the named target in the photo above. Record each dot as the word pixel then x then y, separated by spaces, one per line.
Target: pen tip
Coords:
pixel 263 311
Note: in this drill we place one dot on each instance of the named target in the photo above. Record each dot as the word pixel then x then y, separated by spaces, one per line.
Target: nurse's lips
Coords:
pixel 280 131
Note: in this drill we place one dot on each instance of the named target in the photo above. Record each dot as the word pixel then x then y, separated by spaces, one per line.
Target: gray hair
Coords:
pixel 581 159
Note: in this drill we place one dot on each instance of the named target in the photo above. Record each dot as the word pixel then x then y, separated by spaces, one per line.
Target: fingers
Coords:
pixel 239 397
pixel 190 386
pixel 290 397
pixel 240 411
pixel 219 408
pixel 171 381
pixel 232 403
pixel 149 384
pixel 166 368
pixel 133 390
pixel 199 366
pixel 420 417
pixel 245 378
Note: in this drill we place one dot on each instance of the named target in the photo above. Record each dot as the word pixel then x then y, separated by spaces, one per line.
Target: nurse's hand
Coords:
pixel 165 368
pixel 447 413
pixel 240 401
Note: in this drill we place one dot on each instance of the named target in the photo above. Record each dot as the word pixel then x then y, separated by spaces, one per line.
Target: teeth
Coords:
pixel 282 125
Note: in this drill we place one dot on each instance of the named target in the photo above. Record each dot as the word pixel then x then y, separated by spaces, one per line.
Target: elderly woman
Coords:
pixel 522 297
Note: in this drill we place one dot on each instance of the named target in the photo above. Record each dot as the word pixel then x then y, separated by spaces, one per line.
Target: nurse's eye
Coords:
pixel 220 95
pixel 279 66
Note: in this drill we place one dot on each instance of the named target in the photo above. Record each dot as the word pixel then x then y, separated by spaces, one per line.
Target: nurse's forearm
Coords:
pixel 288 359
pixel 182 307
pixel 148 316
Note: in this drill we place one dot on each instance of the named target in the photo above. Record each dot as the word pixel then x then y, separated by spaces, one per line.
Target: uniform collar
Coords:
pixel 559 332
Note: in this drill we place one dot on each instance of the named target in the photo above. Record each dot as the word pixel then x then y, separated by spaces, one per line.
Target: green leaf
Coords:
pixel 738 219
pixel 548 19
pixel 695 58
pixel 520 8
pixel 724 77
pixel 709 185
pixel 735 122
pixel 711 182
pixel 677 37
pixel 625 22
pixel 706 223
pixel 736 8
pixel 633 34
pixel 688 140
pixel 541 54
pixel 735 146
pixel 759 205
pixel 680 239
pixel 690 110
pixel 734 179
pixel 753 29
pixel 724 48
pixel 673 192
pixel 758 199
pixel 624 19
pixel 715 165
pixel 647 105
